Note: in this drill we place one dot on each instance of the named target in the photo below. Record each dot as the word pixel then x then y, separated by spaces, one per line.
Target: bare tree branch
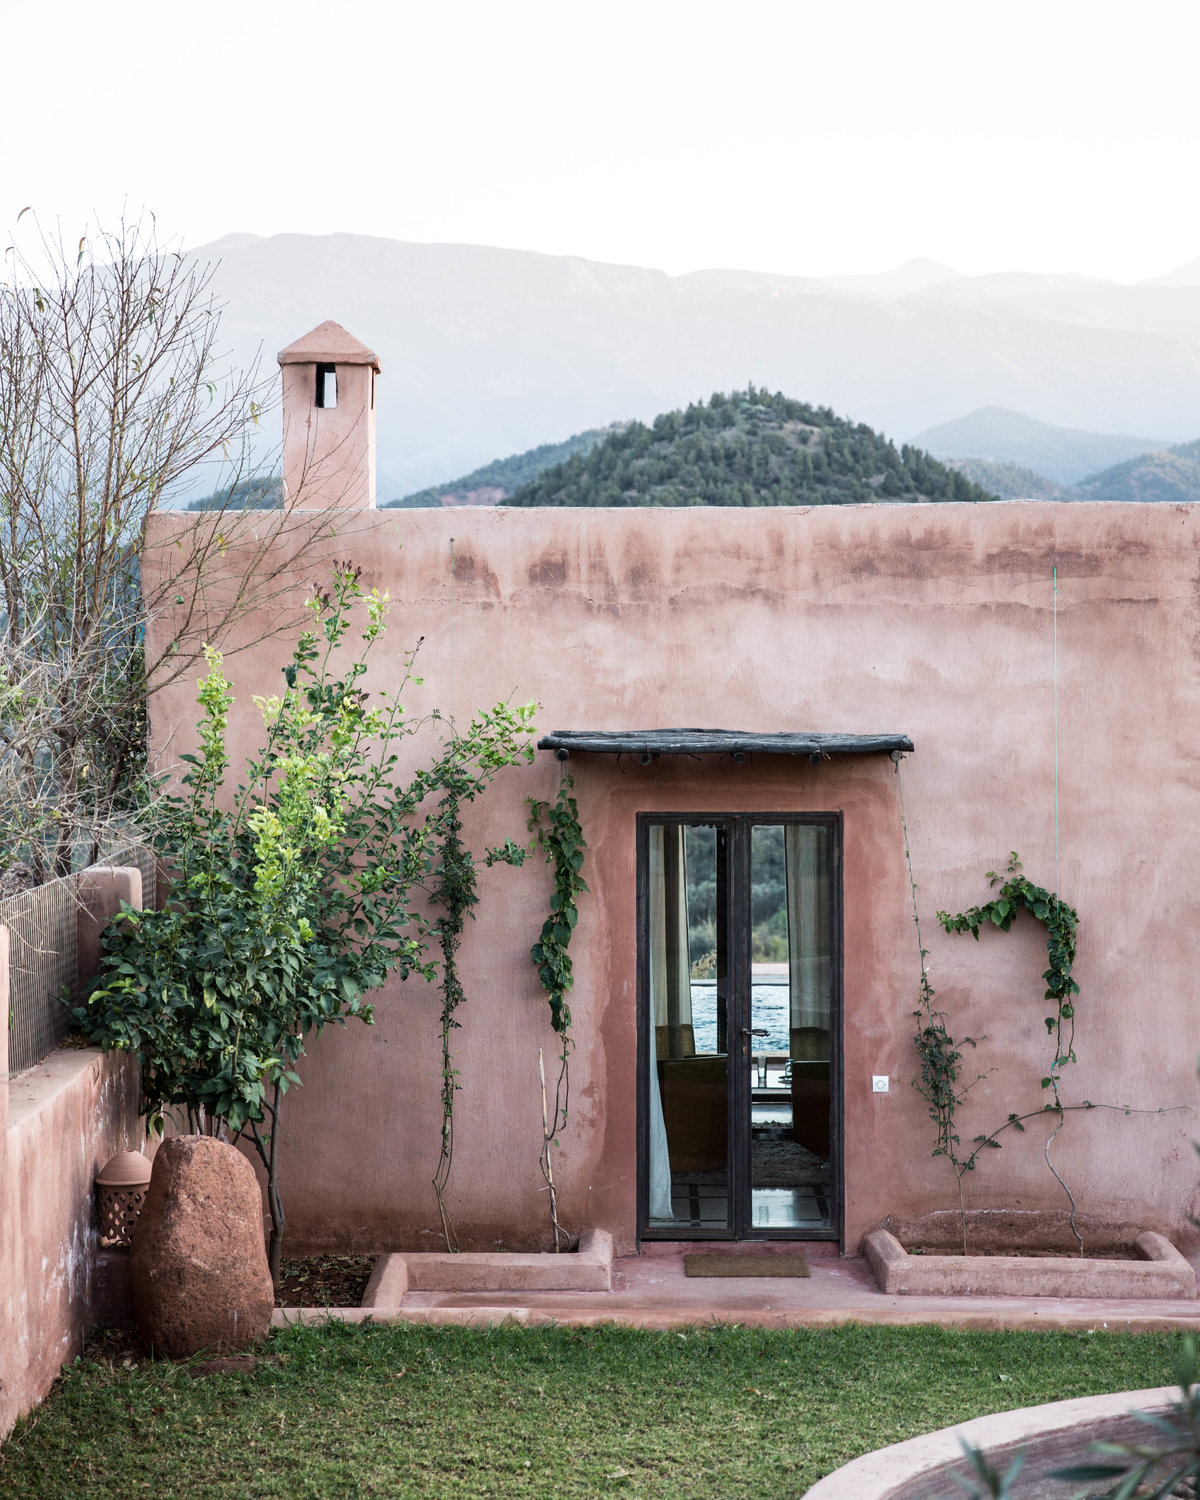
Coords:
pixel 115 396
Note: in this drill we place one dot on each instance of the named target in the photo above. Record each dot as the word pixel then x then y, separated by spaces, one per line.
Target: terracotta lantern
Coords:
pixel 120 1192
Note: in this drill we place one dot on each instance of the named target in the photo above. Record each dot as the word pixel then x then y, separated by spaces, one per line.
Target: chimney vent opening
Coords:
pixel 326 385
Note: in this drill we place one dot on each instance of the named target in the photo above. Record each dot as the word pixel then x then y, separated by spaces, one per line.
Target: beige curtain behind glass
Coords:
pixel 810 971
pixel 670 969
pixel 670 1008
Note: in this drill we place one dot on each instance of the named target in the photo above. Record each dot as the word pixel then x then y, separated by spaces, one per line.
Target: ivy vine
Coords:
pixel 455 889
pixel 1061 921
pixel 558 833
pixel 939 1083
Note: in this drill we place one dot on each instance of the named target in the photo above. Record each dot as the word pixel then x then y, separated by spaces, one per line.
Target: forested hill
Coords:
pixel 494 481
pixel 1172 475
pixel 750 448
pixel 1006 481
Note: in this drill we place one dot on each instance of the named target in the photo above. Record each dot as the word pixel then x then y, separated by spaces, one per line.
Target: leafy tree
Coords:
pixel 293 898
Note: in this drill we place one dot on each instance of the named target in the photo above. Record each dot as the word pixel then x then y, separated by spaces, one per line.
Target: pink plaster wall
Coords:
pixel 329 452
pixel 935 621
pixel 59 1123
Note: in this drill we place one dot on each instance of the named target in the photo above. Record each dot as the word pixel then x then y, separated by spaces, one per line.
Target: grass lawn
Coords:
pixel 396 1411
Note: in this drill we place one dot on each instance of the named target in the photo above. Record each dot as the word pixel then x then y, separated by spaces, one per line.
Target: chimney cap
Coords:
pixel 329 344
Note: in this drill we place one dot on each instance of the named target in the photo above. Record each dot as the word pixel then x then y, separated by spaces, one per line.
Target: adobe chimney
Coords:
pixel 329 421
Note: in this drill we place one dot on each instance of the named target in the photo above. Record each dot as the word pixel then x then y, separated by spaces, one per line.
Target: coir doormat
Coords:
pixel 710 1264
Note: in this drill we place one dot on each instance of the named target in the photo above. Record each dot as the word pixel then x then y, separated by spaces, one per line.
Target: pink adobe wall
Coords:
pixel 935 621
pixel 60 1121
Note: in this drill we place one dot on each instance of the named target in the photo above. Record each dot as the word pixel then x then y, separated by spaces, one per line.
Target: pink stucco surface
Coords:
pixel 934 621
pixel 60 1121
pixel 329 452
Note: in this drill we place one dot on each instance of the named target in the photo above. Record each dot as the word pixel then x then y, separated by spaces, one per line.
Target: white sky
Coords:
pixel 803 136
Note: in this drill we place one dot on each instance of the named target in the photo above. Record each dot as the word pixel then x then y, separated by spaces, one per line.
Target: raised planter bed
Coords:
pixel 588 1269
pixel 1155 1269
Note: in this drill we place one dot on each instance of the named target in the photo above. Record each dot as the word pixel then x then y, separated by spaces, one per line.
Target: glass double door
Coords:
pixel 739 979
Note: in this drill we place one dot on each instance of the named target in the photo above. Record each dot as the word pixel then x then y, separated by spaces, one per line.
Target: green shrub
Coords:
pixel 292 898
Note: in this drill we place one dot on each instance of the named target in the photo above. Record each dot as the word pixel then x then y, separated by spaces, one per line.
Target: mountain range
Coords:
pixel 754 448
pixel 659 465
pixel 1063 454
pixel 488 351
pixel 1172 475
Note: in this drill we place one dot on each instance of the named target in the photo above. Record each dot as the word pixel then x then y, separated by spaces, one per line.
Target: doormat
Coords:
pixel 710 1264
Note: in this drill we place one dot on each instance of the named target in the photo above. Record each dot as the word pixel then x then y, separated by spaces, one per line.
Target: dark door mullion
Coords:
pixel 837 1028
pixel 738 1022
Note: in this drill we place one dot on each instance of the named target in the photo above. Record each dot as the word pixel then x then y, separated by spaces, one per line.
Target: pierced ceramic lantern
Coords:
pixel 120 1192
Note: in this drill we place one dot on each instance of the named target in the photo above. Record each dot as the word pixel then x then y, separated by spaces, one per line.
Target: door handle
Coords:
pixel 746 1031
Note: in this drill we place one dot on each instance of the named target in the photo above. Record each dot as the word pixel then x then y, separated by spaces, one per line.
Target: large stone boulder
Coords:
pixel 199 1261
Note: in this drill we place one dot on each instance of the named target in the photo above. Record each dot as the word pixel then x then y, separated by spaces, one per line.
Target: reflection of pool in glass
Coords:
pixel 772 1012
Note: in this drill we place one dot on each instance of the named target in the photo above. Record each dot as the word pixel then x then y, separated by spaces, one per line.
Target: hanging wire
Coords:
pixel 911 878
pixel 450 694
pixel 1057 899
pixel 1057 878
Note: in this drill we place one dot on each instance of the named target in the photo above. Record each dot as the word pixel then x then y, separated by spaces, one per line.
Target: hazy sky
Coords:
pixel 808 138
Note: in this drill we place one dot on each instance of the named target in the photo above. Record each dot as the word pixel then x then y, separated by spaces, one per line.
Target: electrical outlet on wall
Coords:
pixel 879 1083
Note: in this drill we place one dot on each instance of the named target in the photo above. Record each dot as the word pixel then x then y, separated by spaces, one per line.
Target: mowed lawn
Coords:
pixel 721 1412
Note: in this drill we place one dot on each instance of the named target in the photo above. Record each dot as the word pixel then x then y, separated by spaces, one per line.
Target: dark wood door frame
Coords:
pixel 737 903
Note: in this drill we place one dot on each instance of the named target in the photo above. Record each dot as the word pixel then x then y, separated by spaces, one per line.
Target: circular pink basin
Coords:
pixel 1052 1436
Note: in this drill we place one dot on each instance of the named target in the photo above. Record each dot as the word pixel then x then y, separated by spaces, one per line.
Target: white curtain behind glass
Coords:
pixel 670 1005
pixel 809 966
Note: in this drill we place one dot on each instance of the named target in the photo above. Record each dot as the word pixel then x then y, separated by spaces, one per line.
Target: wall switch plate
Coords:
pixel 879 1083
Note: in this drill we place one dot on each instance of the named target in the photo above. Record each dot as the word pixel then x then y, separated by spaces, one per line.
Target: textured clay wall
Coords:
pixel 935 621
pixel 60 1121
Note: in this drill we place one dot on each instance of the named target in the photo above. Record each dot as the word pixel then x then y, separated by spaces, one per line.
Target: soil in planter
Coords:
pixel 1026 1252
pixel 324 1281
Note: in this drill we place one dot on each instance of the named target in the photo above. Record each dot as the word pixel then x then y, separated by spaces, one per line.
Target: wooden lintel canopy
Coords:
pixel 739 743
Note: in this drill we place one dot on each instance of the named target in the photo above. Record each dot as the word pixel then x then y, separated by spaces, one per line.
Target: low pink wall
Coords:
pixel 934 621
pixel 59 1123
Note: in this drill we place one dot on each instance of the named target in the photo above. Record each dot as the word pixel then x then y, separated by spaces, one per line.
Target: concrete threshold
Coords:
pixel 651 1290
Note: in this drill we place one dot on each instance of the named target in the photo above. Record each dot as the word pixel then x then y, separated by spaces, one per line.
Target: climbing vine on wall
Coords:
pixel 558 833
pixel 455 889
pixel 937 1050
pixel 1060 921
pixel 941 1082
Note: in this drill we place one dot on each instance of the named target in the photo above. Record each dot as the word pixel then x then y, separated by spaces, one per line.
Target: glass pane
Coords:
pixel 689 1076
pixel 791 985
